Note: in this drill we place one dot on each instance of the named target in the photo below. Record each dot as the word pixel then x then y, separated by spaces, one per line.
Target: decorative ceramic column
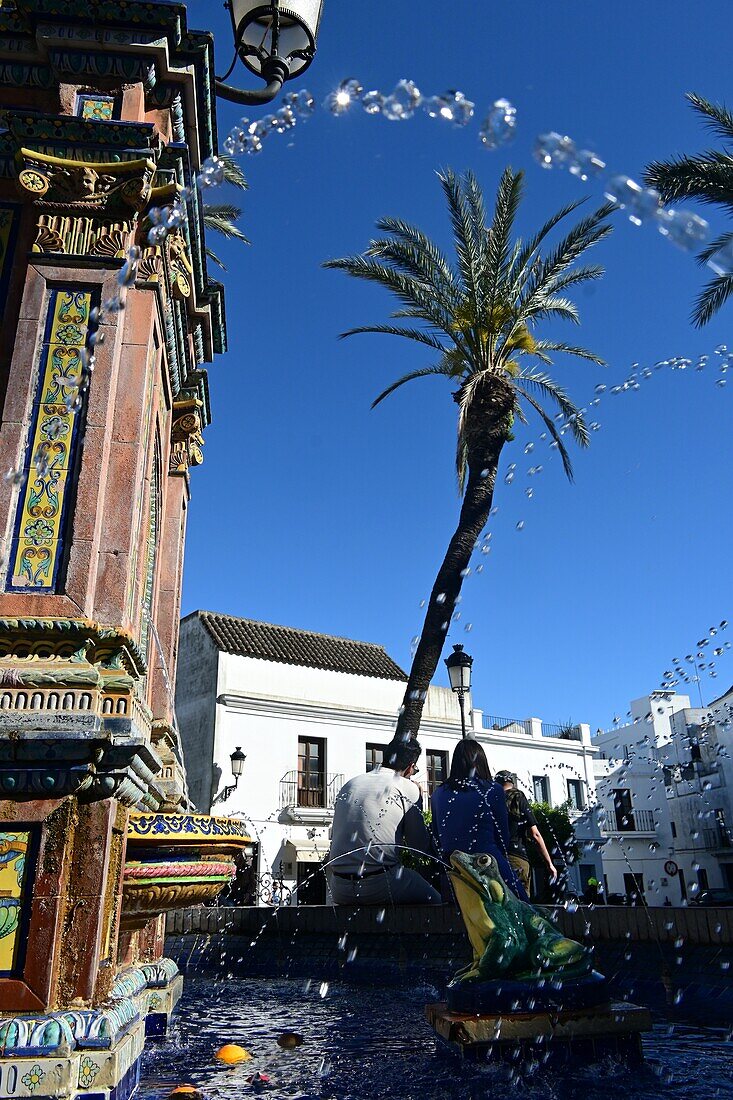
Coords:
pixel 104 120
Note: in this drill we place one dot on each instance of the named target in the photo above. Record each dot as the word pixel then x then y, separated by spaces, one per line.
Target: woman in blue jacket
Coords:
pixel 469 812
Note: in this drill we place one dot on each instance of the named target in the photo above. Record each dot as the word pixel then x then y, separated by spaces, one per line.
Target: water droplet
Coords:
pixel 684 229
pixel 499 126
pixel 520 525
pixel 452 107
pixel 301 102
pixel 373 102
pixel 553 150
pixel 339 101
pixel 403 102
pixel 323 989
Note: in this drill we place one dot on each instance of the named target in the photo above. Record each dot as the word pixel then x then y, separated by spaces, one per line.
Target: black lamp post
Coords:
pixel 276 40
pixel 237 758
pixel 459 672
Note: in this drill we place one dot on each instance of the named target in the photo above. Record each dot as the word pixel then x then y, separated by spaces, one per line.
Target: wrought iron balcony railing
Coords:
pixel 312 792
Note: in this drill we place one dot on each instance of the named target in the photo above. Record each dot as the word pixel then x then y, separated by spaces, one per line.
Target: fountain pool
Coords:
pixel 368 1043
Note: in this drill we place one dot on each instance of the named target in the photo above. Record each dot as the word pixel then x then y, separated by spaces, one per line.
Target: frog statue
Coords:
pixel 520 960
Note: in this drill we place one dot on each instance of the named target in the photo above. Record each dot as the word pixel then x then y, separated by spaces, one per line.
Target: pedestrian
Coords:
pixel 376 817
pixel 469 812
pixel 522 825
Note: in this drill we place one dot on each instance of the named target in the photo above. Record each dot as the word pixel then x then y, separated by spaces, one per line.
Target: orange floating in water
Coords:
pixel 232 1054
pixel 190 1092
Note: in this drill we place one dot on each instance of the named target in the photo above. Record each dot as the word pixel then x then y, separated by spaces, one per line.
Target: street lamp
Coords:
pixel 237 758
pixel 276 40
pixel 459 672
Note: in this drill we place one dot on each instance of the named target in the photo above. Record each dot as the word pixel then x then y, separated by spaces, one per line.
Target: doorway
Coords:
pixel 311 884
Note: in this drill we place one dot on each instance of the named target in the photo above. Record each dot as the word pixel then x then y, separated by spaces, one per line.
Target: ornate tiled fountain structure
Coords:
pixel 106 109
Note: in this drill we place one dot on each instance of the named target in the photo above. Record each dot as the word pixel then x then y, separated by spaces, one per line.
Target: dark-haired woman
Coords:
pixel 469 812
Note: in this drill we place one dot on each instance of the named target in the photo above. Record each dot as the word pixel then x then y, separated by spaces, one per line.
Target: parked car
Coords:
pixel 714 897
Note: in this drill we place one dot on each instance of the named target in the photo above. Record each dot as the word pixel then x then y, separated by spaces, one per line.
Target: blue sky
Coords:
pixel 313 511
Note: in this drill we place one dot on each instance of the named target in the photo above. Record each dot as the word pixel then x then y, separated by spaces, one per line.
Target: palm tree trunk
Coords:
pixel 484 451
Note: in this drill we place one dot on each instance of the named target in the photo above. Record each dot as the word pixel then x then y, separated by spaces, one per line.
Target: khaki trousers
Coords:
pixel 522 871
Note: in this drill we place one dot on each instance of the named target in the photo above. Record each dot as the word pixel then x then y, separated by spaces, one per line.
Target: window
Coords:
pixel 374 756
pixel 622 806
pixel 674 829
pixel 724 837
pixel 436 763
pixel 702 878
pixel 576 794
pixel 541 788
pixel 311 785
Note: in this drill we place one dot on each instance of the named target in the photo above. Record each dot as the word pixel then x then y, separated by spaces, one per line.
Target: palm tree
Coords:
pixel 221 217
pixel 478 316
pixel 708 177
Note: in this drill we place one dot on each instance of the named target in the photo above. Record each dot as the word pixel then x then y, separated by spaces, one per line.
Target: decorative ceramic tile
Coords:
pixel 53 438
pixel 13 852
pixel 98 108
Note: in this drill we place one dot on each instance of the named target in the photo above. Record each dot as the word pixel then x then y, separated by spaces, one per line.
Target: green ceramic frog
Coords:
pixel 509 937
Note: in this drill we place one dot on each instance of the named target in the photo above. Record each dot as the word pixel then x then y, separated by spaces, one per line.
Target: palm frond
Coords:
pixel 220 221
pixel 549 388
pixel 213 256
pixel 411 235
pixel 567 464
pixel 422 373
pixel 551 307
pixel 464 235
pixel 233 173
pixel 568 349
pixel 416 334
pixel 716 115
pixel 715 246
pixel 412 262
pixel 527 250
pixel 409 291
pixel 499 236
pixel 707 177
pixel 714 295
pixel 586 233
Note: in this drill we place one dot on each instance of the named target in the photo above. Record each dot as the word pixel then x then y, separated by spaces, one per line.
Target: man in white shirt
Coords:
pixel 376 816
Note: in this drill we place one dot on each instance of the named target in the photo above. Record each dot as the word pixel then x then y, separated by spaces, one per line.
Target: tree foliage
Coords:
pixel 480 315
pixel 709 178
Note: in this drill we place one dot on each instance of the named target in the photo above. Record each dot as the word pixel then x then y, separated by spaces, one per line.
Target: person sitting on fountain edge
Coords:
pixel 377 816
pixel 470 813
pixel 522 823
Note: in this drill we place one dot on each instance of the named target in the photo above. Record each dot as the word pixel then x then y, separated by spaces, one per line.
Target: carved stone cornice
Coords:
pixel 186 437
pixel 96 188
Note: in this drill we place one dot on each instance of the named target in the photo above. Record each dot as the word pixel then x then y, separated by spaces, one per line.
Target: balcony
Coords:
pixel 639 822
pixel 506 725
pixel 531 727
pixel 311 801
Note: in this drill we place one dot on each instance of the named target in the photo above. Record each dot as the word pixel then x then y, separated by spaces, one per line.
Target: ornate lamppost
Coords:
pixel 276 41
pixel 237 758
pixel 459 672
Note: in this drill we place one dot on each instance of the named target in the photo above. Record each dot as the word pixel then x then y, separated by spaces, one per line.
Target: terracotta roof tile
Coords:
pixel 290 646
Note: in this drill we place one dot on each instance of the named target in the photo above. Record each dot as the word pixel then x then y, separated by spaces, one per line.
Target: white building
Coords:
pixel 665 782
pixel 310 711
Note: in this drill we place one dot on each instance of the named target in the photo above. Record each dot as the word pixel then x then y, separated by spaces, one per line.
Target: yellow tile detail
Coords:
pixel 39 535
pixel 13 851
